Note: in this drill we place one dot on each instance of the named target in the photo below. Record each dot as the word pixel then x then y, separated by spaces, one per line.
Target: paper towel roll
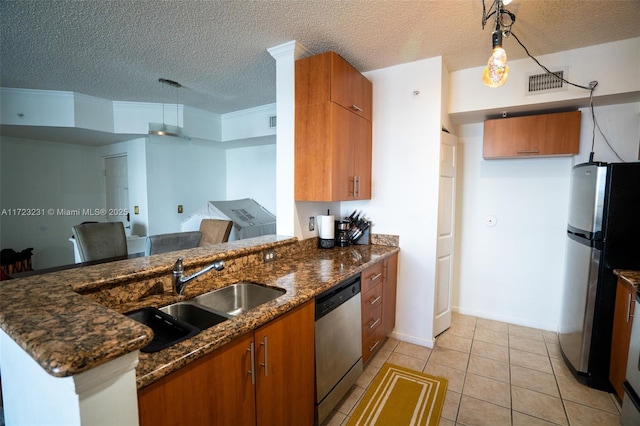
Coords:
pixel 326 225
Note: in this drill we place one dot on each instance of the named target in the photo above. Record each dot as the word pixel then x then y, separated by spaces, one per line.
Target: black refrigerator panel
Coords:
pixel 621 223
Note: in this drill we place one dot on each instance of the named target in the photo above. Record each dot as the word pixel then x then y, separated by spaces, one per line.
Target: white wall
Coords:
pixel 74 180
pixel 620 124
pixel 613 65
pixel 183 173
pixel 406 144
pixel 135 150
pixel 251 173
pixel 514 271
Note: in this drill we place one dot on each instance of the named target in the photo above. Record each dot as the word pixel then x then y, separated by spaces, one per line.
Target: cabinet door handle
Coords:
pixel 527 151
pixel 374 301
pixel 252 372
pixel 376 276
pixel 353 187
pixel 266 356
pixel 356 186
pixel 356 108
pixel 629 308
pixel 372 347
pixel 374 323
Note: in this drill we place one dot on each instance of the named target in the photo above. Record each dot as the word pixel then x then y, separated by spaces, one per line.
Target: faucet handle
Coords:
pixel 178 269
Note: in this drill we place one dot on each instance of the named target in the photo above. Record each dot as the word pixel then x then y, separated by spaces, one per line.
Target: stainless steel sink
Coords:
pixel 167 330
pixel 194 315
pixel 238 298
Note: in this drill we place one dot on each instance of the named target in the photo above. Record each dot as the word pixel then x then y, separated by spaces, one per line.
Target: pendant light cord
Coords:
pixel 590 88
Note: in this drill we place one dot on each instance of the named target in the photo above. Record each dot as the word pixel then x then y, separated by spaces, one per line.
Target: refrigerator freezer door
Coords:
pixel 579 302
pixel 587 198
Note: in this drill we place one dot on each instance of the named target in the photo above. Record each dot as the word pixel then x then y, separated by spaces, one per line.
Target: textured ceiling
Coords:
pixel 217 49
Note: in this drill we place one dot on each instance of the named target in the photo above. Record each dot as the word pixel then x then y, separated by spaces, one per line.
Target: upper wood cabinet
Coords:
pixel 533 135
pixel 328 77
pixel 333 130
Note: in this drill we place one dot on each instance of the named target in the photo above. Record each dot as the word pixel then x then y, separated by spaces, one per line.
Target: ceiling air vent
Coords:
pixel 546 82
pixel 272 121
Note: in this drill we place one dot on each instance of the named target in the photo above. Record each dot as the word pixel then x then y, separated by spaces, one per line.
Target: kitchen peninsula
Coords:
pixel 67 330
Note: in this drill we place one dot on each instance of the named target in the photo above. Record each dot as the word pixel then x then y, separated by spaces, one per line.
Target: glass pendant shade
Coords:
pixel 497 71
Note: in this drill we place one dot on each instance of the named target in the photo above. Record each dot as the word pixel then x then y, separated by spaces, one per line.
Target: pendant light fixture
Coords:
pixel 164 129
pixel 497 70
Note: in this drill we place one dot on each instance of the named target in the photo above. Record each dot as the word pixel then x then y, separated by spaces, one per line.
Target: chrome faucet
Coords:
pixel 180 281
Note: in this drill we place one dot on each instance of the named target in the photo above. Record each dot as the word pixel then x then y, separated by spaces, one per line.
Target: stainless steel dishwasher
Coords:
pixel 338 344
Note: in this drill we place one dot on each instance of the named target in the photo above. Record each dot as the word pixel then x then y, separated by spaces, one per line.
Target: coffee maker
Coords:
pixel 342 228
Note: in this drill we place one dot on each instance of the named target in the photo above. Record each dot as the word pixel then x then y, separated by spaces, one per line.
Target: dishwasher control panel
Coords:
pixel 337 295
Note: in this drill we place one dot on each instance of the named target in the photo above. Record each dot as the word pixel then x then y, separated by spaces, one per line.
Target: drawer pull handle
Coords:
pixel 374 301
pixel 266 357
pixel 528 151
pixel 356 108
pixel 376 276
pixel 252 372
pixel 374 323
pixel 372 347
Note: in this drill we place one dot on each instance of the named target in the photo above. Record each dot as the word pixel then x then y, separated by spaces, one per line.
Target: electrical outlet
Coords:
pixel 269 255
pixel 312 223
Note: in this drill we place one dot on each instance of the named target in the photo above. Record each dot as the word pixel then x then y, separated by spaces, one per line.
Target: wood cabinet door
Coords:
pixel 314 152
pixel 214 390
pixel 345 134
pixel 389 288
pixel 362 157
pixel 532 135
pixel 622 320
pixel 349 88
pixel 286 369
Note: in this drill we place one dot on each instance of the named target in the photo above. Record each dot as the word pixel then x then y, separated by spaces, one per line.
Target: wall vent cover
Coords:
pixel 272 121
pixel 546 82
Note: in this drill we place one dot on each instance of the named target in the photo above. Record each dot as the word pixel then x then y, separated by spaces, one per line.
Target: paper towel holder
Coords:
pixel 326 234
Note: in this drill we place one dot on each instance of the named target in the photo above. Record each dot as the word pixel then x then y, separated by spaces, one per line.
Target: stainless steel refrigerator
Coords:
pixel 603 234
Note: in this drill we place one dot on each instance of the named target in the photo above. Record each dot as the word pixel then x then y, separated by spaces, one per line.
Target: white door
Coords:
pixel 446 223
pixel 117 186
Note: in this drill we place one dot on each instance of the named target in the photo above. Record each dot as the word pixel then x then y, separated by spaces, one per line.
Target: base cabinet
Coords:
pixel 224 387
pixel 621 336
pixel 378 284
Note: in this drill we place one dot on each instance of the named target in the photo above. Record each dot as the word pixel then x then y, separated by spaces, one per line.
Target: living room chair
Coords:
pixel 102 240
pixel 215 231
pixel 163 243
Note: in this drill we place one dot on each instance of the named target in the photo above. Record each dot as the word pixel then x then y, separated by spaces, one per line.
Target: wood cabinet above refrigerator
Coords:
pixel 555 134
pixel 333 130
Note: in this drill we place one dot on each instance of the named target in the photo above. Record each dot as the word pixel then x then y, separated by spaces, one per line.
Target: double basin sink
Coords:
pixel 173 323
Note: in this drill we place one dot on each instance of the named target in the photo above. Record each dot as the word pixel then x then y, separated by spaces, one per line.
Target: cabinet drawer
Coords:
pixel 371 344
pixel 371 299
pixel 371 322
pixel 371 276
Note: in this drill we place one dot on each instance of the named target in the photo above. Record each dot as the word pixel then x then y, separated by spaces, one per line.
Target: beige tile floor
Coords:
pixel 499 374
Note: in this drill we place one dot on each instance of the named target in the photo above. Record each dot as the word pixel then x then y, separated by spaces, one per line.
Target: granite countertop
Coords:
pixel 64 321
pixel 632 277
